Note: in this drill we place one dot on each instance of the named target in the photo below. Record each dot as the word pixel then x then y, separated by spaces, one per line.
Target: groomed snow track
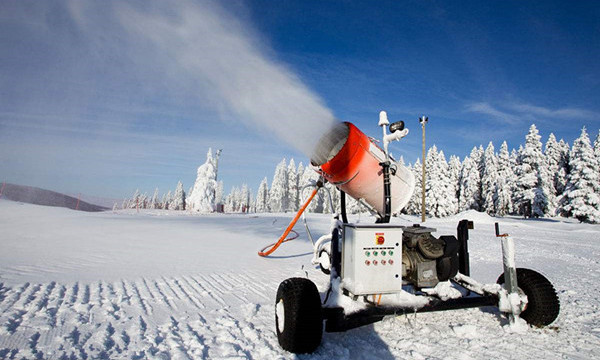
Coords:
pixel 176 286
pixel 188 317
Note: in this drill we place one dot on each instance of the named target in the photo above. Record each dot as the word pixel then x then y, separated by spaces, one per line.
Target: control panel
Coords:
pixel 372 258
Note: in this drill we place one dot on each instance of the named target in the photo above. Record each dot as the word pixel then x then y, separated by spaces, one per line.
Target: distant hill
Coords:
pixel 34 195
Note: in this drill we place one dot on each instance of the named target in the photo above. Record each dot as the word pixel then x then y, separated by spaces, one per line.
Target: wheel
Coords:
pixel 298 316
pixel 542 302
pixel 325 270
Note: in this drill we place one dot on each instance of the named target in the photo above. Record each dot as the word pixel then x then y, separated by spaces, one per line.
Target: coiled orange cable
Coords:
pixel 272 247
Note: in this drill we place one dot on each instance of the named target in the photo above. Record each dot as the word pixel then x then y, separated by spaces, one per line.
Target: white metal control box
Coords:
pixel 372 258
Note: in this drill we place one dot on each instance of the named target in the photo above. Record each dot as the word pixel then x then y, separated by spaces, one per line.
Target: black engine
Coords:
pixel 427 260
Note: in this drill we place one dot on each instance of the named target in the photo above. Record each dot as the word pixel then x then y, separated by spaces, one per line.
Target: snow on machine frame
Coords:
pixel 380 269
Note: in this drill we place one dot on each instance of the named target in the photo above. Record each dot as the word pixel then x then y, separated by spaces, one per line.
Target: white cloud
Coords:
pixel 513 113
pixel 487 109
pixel 560 113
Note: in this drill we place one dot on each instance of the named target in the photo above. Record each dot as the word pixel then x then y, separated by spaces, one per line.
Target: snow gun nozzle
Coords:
pixel 351 161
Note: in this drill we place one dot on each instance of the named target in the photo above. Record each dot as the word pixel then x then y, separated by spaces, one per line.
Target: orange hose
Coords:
pixel 283 239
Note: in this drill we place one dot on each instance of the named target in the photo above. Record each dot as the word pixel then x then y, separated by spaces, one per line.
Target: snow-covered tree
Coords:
pixel 203 195
pixel 563 167
pixel 135 200
pixel 244 199
pixel 178 201
pixel 232 200
pixel 166 199
pixel 414 204
pixel 143 201
pixel 439 193
pixel 278 194
pixel 581 199
pixel 454 166
pixel 292 186
pixel 489 179
pixel 154 201
pixel 262 197
pixel 470 186
pixel 219 194
pixel 597 147
pixel 505 183
pixel 532 186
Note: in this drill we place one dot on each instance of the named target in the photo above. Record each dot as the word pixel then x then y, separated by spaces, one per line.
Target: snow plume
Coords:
pixel 150 79
pixel 222 59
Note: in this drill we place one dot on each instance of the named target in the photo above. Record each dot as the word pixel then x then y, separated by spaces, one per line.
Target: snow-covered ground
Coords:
pixel 157 284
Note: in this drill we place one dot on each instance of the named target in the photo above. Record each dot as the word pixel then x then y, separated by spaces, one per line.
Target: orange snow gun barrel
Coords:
pixel 351 161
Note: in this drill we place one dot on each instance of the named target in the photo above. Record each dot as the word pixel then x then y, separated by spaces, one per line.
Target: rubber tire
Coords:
pixel 303 318
pixel 543 305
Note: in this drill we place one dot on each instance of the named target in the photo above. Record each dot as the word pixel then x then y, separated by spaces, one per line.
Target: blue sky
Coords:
pixel 106 97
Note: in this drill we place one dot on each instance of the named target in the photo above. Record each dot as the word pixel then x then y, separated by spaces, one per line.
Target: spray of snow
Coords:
pixel 219 53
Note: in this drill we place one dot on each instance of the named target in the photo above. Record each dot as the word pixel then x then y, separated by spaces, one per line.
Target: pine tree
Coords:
pixel 219 194
pixel 581 199
pixel 154 202
pixel 553 157
pixel 245 199
pixel 438 190
pixel 292 186
pixel 553 161
pixel 532 179
pixel 144 201
pixel 597 147
pixel 563 167
pixel 135 200
pixel 454 166
pixel 470 193
pixel 414 204
pixel 262 197
pixel 178 201
pixel 477 158
pixel 489 180
pixel 505 183
pixel 165 201
pixel 231 200
pixel 203 196
pixel 278 194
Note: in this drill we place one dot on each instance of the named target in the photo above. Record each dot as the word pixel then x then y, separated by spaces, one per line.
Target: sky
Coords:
pixel 104 98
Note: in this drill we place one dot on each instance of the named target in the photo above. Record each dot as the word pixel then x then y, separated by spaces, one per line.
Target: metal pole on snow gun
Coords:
pixel 510 269
pixel 272 247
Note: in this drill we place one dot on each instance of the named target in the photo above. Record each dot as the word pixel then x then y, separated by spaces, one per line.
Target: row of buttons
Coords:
pixel 383 262
pixel 383 253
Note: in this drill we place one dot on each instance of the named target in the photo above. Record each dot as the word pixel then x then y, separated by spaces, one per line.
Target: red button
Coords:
pixel 391 262
pixel 367 262
pixel 374 262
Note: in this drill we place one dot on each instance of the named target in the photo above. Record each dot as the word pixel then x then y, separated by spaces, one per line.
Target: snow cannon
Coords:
pixel 389 268
pixel 352 161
